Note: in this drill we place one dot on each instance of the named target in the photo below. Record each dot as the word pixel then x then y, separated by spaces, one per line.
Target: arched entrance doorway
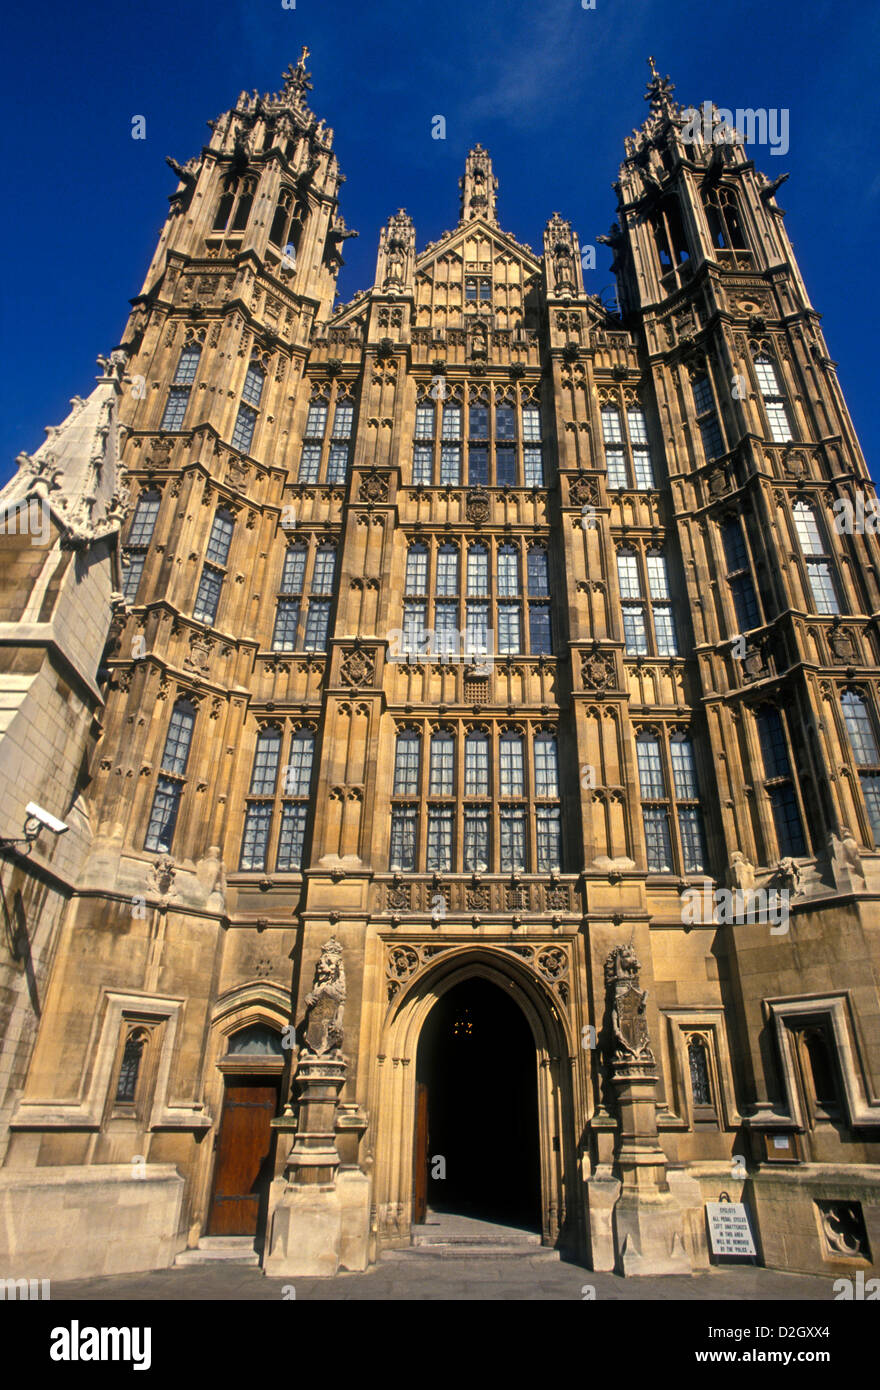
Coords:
pixel 476 1146
pixel 245 1152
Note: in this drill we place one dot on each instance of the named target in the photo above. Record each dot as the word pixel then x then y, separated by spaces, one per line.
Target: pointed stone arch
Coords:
pixel 555 1056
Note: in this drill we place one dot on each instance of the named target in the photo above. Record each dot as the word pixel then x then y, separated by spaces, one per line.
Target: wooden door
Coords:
pixel 420 1156
pixel 243 1167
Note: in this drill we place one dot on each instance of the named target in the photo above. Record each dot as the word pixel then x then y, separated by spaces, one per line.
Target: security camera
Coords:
pixel 36 813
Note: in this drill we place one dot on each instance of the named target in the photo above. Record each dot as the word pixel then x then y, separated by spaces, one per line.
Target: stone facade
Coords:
pixel 471 630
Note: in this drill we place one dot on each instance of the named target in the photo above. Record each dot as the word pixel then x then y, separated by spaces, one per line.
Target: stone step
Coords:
pixel 461 1250
pixel 230 1250
pixel 528 1239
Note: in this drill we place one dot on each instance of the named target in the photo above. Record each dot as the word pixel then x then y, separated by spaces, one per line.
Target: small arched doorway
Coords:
pixel 245 1146
pixel 476 1149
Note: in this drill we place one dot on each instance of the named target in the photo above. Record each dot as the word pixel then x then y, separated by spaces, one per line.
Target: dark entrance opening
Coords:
pixel 477 1109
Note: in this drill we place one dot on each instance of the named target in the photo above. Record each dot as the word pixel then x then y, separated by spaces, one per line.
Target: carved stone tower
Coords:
pixel 471 630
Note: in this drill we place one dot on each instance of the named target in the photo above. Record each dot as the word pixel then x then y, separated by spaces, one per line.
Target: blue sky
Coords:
pixel 550 88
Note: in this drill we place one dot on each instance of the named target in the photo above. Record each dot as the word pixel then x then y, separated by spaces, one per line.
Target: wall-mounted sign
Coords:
pixel 729 1229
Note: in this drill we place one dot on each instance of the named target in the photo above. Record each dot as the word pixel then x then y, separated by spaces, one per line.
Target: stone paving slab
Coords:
pixel 485 1279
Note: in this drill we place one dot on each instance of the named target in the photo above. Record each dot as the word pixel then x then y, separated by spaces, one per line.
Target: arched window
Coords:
pixel 478 570
pixel 278 230
pixel 774 400
pixel 780 783
pixel 511 766
pixel 739 574
pixel 243 208
pixel 687 798
pixel 179 737
pixel 722 214
pixel 447 571
pixel 220 538
pixel 416 570
pixel 246 420
pixel 860 728
pixel 817 1054
pixel 257 1041
pixel 615 458
pixel 130 1066
pixel 264 775
pixel 862 736
pixel 140 534
pixel 546 766
pixel 628 574
pixel 820 571
pixel 442 770
pixel 655 808
pixel 179 392
pixel 290 598
pixel 324 572
pixel 476 764
pixel 707 417
pixel 144 520
pixel 407 759
pixel 698 1065
pixel 295 788
pixel 672 244
pixel 224 207
pixel 169 786
pixel 508 572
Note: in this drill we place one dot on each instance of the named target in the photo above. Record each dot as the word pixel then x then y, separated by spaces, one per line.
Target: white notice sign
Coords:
pixel 729 1229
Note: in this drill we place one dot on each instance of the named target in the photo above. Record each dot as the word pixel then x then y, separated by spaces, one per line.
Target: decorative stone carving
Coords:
pixel 200 650
pixel 398 896
pixel 788 874
pixel 163 873
pixel 627 1004
pixel 477 506
pixel 583 490
pixel 211 874
pixel 325 1003
pixel 843 1229
pixel 373 488
pixel 742 872
pixel 597 669
pixel 843 647
pixel 553 963
pixel 358 668
pixel 845 856
pixel 478 898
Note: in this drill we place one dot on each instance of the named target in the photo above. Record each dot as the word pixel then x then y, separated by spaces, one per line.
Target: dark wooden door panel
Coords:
pixel 242 1171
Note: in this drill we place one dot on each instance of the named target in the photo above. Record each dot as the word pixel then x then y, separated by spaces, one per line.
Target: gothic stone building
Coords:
pixel 466 706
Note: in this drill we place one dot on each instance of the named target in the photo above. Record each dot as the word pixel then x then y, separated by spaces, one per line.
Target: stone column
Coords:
pixel 649 1222
pixel 306 1229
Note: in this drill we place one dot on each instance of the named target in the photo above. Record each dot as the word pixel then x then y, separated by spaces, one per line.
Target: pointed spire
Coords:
pixel 478 188
pixel 659 91
pixel 296 80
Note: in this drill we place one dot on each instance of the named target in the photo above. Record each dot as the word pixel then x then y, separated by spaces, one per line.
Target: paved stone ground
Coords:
pixel 486 1278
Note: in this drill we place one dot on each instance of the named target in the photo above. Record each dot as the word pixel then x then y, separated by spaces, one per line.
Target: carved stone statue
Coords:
pixel 789 875
pixel 742 872
pixel 627 1003
pixel 563 265
pixel 846 858
pixel 212 876
pixel 325 1003
pixel 395 259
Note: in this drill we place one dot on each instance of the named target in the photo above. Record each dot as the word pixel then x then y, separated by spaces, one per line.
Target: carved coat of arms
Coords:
pixel 628 1004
